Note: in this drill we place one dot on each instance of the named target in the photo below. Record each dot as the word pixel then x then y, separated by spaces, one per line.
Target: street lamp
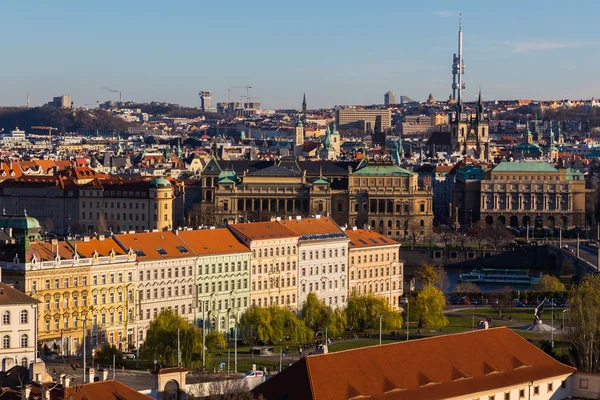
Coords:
pixel 563 331
pixel 380 323
pixel 552 324
pixel 406 300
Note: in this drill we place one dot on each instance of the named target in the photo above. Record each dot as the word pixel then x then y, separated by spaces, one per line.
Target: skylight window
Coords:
pixel 139 252
pixel 161 251
pixel 182 249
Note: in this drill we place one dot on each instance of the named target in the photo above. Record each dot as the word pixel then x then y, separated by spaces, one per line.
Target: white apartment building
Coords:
pixel 322 261
pixel 166 277
pixel 18 330
pixel 274 262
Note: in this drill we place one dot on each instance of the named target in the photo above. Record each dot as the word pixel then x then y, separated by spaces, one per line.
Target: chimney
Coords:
pixel 104 375
pixel 318 216
pixel 354 228
pixel 298 217
pixel 101 238
pixel 278 219
pixel 66 381
pixel 90 375
pixel 54 242
pixel 9 232
pixel 86 239
pixel 25 392
pixel 272 219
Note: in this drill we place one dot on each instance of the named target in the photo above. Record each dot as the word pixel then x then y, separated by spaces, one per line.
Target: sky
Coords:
pixel 337 52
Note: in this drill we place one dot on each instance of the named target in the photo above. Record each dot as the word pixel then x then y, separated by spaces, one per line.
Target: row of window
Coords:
pixel 315 270
pixel 274 283
pixel 333 285
pixel 362 272
pixel 112 205
pixel 68 323
pixel 175 272
pixel 332 253
pixel 66 283
pixel 523 393
pixel 274 252
pixel 222 286
pixel 113 193
pixel 223 267
pixel 363 258
pixel 155 311
pixel 376 287
pixel 111 278
pixel 274 300
pixel 137 217
pixel 169 292
pixel 272 268
pixel 24 317
pixel 6 341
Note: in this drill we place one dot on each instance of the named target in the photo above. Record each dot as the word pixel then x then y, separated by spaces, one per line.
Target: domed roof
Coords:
pixel 18 222
pixel 160 183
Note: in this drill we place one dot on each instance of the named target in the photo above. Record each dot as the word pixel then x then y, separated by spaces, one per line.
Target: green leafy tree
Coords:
pixel 106 353
pixel 215 341
pixel 274 324
pixel 364 311
pixel 428 274
pixel 161 341
pixel 319 316
pixel 550 283
pixel 584 325
pixel 429 307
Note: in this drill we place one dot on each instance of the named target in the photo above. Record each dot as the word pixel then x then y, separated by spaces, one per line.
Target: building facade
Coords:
pixel 165 277
pixel 522 194
pixel 356 118
pixel 322 259
pixel 388 199
pixel 470 132
pixel 222 277
pixel 19 328
pixel 375 266
pixel 274 271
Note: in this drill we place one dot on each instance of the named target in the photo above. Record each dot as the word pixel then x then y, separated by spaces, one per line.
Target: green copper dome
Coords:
pixel 18 222
pixel 160 183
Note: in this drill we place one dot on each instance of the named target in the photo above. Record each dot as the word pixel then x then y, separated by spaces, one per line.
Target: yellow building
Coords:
pixel 375 265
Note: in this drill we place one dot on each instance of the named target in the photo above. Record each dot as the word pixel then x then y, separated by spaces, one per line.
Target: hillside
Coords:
pixel 64 119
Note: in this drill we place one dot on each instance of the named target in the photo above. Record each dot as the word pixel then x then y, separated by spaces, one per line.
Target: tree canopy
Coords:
pixel 363 312
pixel 161 340
pixel 550 283
pixel 429 307
pixel 584 325
pixel 318 316
pixel 274 324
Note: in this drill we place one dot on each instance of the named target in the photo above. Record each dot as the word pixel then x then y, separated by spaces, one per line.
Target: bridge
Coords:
pixel 584 260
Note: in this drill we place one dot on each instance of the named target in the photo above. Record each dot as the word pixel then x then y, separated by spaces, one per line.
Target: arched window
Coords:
pixel 24 362
pixel 24 316
pixel 6 342
pixel 6 317
pixel 24 340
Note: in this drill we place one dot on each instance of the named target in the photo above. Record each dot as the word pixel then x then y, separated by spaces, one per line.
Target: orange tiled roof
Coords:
pixel 263 230
pixel 308 226
pixel 47 251
pixel 148 245
pixel 103 247
pixel 105 390
pixel 367 238
pixel 433 368
pixel 212 241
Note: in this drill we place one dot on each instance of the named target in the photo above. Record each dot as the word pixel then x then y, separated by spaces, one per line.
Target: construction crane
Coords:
pixel 249 99
pixel 49 128
pixel 244 87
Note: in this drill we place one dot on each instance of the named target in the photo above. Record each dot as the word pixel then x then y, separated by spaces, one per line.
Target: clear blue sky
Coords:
pixel 338 52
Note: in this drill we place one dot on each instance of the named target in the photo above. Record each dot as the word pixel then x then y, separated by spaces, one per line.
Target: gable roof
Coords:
pixel 10 295
pixel 155 245
pixel 212 241
pixel 105 390
pixel 438 367
pixel 262 230
pixel 367 238
pixel 314 228
pixel 103 247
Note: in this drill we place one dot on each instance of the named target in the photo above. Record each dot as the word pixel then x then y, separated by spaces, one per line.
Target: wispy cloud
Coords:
pixel 446 14
pixel 525 46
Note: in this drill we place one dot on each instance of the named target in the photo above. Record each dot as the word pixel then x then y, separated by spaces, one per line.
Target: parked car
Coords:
pixel 518 304
pixel 548 303
pixel 128 356
pixel 253 374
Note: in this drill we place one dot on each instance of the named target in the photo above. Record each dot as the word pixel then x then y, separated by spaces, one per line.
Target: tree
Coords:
pixel 479 232
pixel 215 341
pixel 584 325
pixel 446 235
pixel 274 324
pixel 364 311
pixel 550 283
pixel 501 299
pixel 466 287
pixel 106 353
pixel 413 228
pixel 161 340
pixel 318 316
pixel 429 307
pixel 497 234
pixel 428 274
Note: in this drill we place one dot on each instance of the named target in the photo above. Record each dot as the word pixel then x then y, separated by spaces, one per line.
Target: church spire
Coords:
pixel 304 104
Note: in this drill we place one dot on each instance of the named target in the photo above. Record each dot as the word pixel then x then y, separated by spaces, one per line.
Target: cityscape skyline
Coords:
pixel 283 51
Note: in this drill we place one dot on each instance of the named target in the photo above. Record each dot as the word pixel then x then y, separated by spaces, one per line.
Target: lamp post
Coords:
pixel 407 317
pixel 563 332
pixel 552 324
pixel 380 323
pixel 84 347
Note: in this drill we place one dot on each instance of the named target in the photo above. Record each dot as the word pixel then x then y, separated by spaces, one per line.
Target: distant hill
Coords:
pixel 66 120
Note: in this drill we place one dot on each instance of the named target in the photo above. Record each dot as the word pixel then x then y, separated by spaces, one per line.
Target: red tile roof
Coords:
pixel 105 390
pixel 47 251
pixel 148 245
pixel 86 249
pixel 308 226
pixel 433 368
pixel 10 295
pixel 263 230
pixel 367 238
pixel 212 241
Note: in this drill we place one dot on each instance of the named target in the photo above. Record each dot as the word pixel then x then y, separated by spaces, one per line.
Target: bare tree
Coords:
pixel 497 234
pixel 501 300
pixel 446 234
pixel 414 229
pixel 479 233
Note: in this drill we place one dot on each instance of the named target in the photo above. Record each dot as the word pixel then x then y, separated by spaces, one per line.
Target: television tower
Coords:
pixel 458 69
